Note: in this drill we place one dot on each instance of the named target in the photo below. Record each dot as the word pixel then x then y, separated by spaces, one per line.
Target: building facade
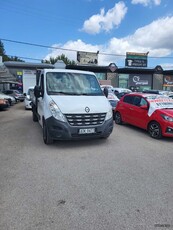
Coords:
pixel 127 77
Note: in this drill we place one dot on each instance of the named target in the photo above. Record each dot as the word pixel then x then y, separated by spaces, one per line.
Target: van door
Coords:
pixel 40 99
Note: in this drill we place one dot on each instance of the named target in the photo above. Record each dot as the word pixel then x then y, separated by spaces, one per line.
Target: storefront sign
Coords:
pixel 140 80
pixel 168 80
pixel 136 59
pixel 135 62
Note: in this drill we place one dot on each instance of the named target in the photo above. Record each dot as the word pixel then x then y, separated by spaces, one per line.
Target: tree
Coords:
pixel 6 57
pixel 62 57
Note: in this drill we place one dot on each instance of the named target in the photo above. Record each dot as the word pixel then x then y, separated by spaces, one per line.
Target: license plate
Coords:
pixel 86 131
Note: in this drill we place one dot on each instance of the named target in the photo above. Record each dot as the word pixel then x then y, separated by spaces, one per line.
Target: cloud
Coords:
pixel 146 2
pixel 105 21
pixel 70 49
pixel 155 38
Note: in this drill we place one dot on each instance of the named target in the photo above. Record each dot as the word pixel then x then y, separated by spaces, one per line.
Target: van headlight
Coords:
pixel 167 118
pixel 109 114
pixel 56 112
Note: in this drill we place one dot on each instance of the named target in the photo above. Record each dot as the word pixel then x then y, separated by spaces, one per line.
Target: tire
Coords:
pixel 34 117
pixel 118 119
pixel 155 130
pixel 46 137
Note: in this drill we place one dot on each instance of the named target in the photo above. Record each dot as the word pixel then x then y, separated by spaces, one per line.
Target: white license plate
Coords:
pixel 86 131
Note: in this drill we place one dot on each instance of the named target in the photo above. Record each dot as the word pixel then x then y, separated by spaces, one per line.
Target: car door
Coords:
pixel 126 107
pixel 139 112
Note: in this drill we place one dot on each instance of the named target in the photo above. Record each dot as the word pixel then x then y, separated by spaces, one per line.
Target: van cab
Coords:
pixel 69 104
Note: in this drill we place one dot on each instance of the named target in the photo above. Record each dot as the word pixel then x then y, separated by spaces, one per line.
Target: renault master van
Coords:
pixel 69 104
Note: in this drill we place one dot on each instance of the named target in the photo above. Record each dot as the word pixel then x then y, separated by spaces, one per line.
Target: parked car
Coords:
pixel 28 97
pixel 155 91
pixel 3 104
pixel 15 93
pixel 11 100
pixel 113 101
pixel 151 112
pixel 121 90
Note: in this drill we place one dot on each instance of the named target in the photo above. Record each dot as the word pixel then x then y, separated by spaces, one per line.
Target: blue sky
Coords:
pixel 110 27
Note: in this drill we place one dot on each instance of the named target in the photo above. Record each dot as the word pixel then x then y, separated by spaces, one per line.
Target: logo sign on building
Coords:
pixel 87 58
pixel 168 80
pixel 140 80
pixel 136 59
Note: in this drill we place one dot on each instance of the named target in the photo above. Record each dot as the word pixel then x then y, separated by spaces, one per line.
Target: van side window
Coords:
pixel 41 83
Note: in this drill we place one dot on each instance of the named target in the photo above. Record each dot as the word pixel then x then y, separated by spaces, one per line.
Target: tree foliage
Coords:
pixel 62 57
pixel 6 57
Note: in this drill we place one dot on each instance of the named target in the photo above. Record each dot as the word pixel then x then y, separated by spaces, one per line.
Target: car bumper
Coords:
pixel 63 131
pixel 167 131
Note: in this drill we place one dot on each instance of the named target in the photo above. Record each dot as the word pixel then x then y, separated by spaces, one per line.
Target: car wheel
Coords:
pixel 46 137
pixel 155 130
pixel 34 117
pixel 118 119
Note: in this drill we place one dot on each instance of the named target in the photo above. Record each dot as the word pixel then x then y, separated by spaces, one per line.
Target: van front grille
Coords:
pixel 85 119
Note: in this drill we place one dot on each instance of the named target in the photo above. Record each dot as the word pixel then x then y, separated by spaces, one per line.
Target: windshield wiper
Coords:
pixel 61 92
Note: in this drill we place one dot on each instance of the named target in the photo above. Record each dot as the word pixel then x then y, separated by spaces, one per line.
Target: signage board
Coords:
pixel 140 80
pixel 87 58
pixel 136 59
pixel 168 80
pixel 136 62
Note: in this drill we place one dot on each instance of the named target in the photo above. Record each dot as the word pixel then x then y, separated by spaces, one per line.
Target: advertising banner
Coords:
pixel 136 59
pixel 140 80
pixel 160 103
pixel 87 58
pixel 168 80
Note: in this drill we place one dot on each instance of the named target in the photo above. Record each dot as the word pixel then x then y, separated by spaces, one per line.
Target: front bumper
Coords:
pixel 63 131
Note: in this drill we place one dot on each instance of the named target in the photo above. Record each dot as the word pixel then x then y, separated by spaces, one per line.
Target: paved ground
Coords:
pixel 125 182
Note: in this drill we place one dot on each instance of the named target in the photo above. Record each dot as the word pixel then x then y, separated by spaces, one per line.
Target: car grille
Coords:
pixel 85 119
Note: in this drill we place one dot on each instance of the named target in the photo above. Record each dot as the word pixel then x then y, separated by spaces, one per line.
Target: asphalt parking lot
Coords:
pixel 124 182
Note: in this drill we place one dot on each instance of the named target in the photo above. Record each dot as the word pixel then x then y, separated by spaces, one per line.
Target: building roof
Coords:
pixel 15 64
pixel 5 75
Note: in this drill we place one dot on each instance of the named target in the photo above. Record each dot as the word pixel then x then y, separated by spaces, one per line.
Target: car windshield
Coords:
pixel 72 84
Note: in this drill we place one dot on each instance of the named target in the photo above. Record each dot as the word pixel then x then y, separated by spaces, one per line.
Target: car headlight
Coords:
pixel 167 118
pixel 109 114
pixel 56 112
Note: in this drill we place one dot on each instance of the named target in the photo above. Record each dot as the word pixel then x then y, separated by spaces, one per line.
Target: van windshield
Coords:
pixel 72 84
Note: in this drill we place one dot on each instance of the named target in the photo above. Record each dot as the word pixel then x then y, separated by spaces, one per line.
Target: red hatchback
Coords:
pixel 151 112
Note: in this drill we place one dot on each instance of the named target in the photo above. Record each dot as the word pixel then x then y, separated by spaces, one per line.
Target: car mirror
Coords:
pixel 38 92
pixel 105 91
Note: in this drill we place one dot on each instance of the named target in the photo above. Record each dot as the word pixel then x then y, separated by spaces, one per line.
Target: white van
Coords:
pixel 69 104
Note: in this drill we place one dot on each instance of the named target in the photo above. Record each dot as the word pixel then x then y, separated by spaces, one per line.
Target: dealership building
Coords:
pixel 133 77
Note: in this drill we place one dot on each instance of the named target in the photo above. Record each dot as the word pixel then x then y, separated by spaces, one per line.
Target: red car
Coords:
pixel 151 112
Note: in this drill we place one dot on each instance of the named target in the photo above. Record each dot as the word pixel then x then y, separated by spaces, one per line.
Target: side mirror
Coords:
pixel 24 94
pixel 38 92
pixel 105 91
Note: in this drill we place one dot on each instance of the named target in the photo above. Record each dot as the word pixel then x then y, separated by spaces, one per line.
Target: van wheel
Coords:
pixel 46 137
pixel 155 130
pixel 118 119
pixel 34 117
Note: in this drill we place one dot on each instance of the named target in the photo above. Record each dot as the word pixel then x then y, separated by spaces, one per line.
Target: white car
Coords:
pixel 28 97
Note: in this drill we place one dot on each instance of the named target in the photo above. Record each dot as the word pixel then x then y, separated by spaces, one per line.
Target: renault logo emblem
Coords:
pixel 87 109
